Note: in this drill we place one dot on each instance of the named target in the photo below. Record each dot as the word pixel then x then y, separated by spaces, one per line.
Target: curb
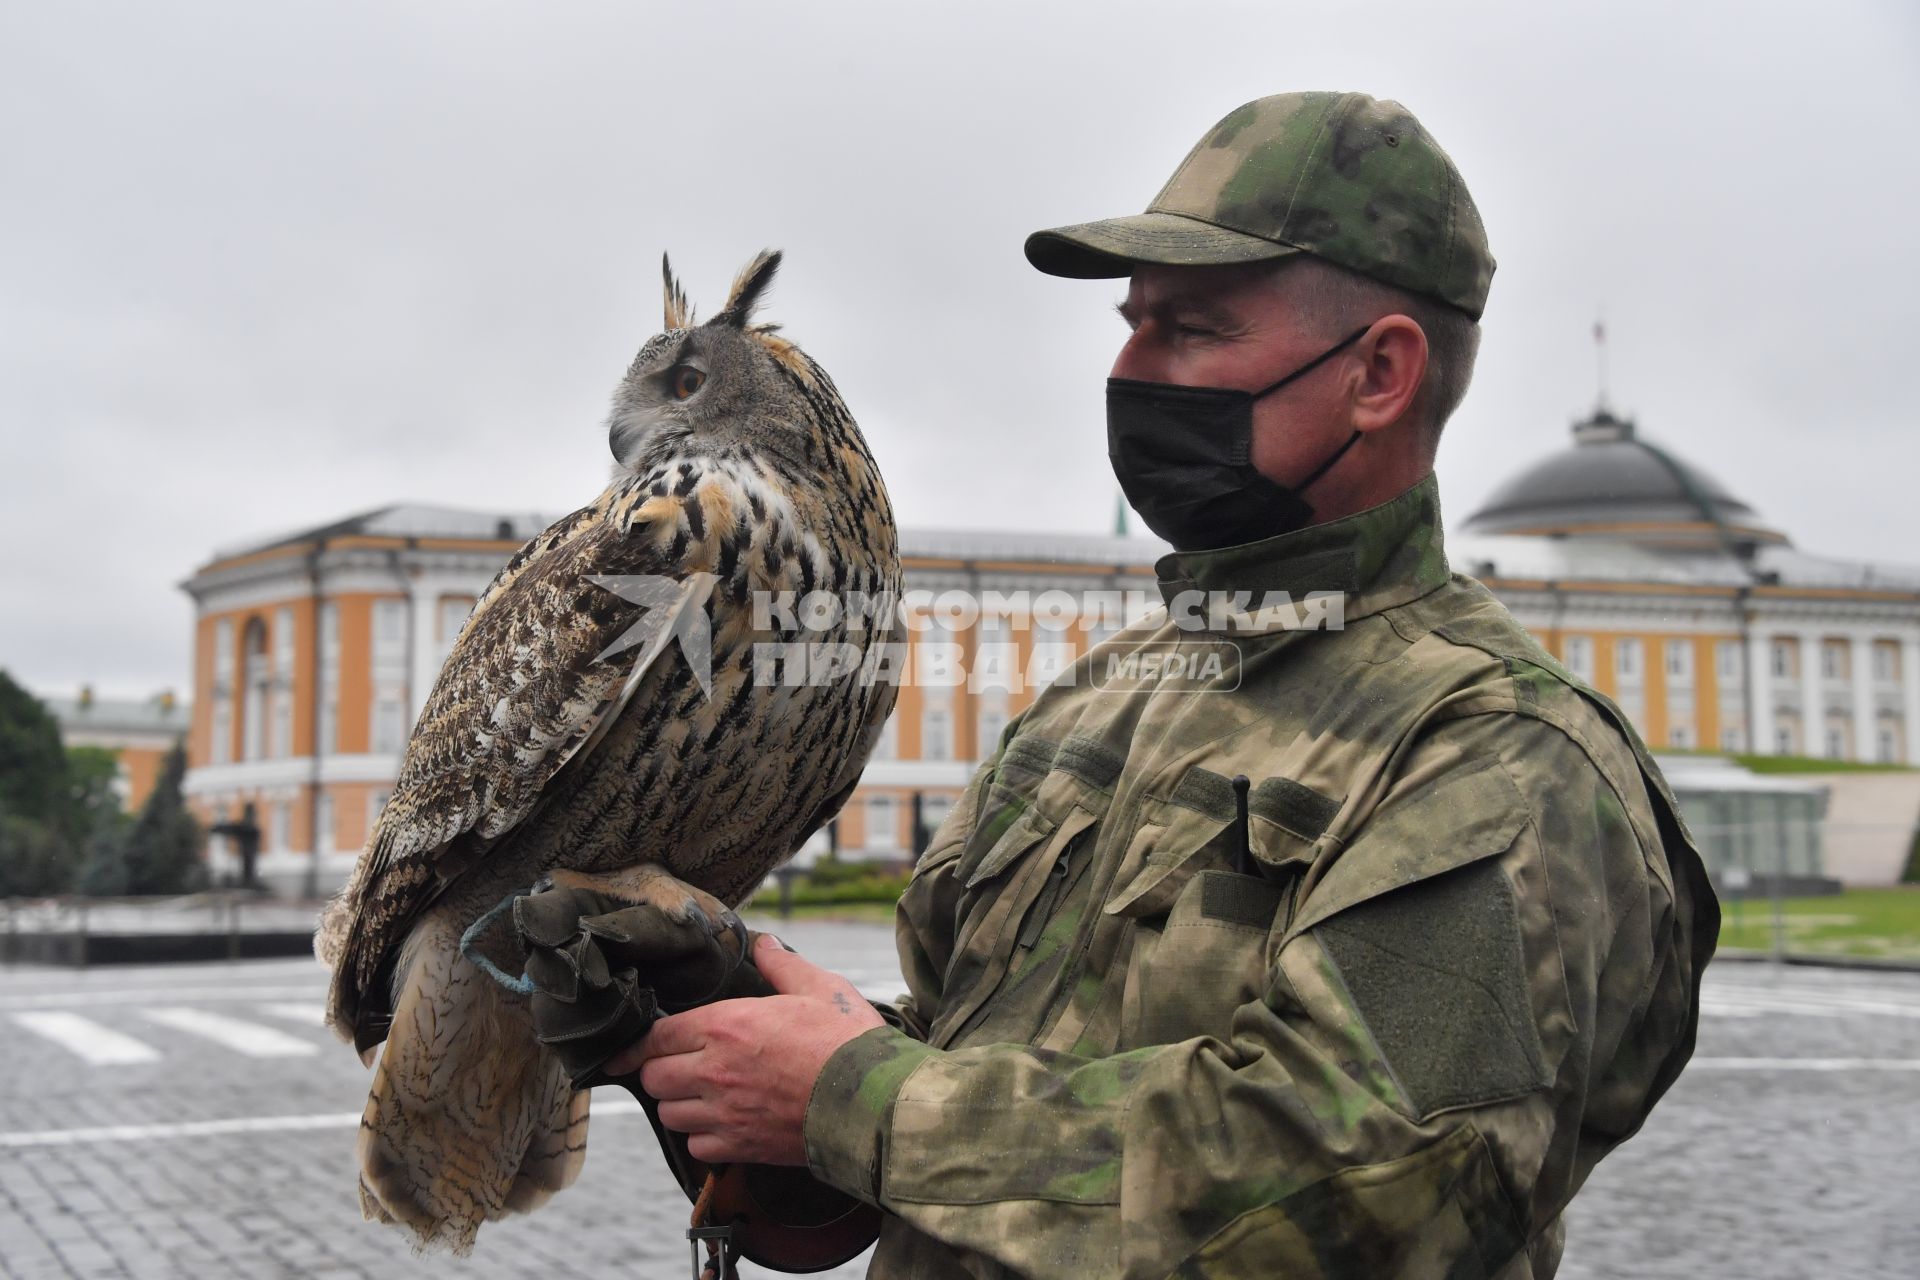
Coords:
pixel 77 950
pixel 1879 964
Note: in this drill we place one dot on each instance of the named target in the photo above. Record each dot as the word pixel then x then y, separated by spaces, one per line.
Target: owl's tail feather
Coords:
pixel 469 1118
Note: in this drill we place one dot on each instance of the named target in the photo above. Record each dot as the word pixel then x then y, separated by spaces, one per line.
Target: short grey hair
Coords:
pixel 1337 301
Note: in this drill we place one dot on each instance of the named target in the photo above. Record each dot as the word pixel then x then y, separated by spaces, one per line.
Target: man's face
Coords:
pixel 1236 327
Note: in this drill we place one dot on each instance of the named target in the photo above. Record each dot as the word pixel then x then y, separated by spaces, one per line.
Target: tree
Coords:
pixel 33 766
pixel 98 823
pixel 163 848
pixel 93 790
pixel 36 860
pixel 38 849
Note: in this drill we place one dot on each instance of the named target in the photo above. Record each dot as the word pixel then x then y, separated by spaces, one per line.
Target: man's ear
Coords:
pixel 1393 365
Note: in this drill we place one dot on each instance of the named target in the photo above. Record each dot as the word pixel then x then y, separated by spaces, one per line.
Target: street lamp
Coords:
pixel 244 831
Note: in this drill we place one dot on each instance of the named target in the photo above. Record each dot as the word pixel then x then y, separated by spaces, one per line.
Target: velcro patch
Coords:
pixel 1439 975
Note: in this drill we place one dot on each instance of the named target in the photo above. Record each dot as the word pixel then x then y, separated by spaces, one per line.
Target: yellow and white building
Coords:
pixel 1712 631
pixel 138 731
pixel 314 651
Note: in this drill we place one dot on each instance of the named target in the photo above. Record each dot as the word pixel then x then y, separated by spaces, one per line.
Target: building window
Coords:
pixel 936 734
pixel 1580 656
pixel 280 826
pixel 1727 661
pixel 1052 655
pixel 1732 740
pixel 1783 658
pixel 389 625
pixel 1783 740
pixel 223 651
pixel 389 723
pixel 992 723
pixel 1889 745
pixel 259 678
pixel 883 824
pixel 1886 663
pixel 220 750
pixel 888 746
pixel 1833 660
pixel 389 676
pixel 283 642
pixel 1836 743
pixel 933 813
pixel 936 656
pixel 1680 661
pixel 1679 735
pixel 996 658
pixel 1626 659
pixel 453 616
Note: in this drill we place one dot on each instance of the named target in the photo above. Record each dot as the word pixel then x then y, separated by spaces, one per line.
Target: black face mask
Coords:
pixel 1184 458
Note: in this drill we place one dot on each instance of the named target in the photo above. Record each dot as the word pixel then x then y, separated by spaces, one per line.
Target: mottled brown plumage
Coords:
pixel 535 754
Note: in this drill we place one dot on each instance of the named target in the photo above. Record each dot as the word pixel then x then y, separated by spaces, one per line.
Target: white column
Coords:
pixel 423 595
pixel 1866 738
pixel 1910 691
pixel 1813 697
pixel 1759 659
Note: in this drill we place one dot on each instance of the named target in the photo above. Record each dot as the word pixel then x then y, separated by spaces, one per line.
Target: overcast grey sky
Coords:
pixel 266 265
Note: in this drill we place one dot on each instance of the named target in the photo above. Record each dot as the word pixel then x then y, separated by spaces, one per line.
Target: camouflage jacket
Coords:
pixel 1465 967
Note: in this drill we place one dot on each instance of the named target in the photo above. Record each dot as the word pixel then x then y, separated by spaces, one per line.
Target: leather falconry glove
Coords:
pixel 603 972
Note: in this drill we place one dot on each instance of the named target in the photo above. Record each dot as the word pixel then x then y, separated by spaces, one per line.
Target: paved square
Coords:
pixel 197 1121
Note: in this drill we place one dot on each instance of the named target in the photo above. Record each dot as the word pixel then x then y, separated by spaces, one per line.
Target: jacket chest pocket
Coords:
pixel 1204 934
pixel 1008 893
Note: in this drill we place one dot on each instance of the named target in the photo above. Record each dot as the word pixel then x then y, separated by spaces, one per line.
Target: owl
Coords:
pixel 631 741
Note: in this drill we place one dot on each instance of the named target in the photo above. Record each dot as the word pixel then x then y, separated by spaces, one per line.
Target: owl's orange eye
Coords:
pixel 683 380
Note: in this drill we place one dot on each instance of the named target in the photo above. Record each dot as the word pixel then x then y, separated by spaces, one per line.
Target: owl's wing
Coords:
pixel 542 667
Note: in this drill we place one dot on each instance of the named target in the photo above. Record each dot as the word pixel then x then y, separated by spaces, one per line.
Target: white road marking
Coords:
pixel 313 1015
pixel 1817 1004
pixel 181 1129
pixel 215 1128
pixel 68 999
pixel 1804 1064
pixel 102 1046
pixel 249 1038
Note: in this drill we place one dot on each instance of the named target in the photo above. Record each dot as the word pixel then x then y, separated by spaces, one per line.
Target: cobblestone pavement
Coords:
pixel 197 1121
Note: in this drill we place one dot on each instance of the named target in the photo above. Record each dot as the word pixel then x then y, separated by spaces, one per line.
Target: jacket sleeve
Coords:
pixel 1407 1095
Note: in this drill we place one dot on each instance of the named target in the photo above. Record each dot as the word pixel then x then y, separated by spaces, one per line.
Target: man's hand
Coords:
pixel 736 1076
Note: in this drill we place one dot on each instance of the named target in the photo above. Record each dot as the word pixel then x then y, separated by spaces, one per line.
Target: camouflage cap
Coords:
pixel 1350 179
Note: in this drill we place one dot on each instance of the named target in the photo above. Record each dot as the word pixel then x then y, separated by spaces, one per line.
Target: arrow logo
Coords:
pixel 670 609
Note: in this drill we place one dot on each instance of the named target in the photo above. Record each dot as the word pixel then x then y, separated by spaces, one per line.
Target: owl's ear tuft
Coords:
pixel 679 314
pixel 749 287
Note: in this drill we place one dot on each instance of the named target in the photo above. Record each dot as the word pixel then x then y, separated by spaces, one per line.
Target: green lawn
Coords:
pixel 762 914
pixel 1814 764
pixel 1859 922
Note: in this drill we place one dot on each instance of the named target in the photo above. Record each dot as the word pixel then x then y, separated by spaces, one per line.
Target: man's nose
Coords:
pixel 1141 357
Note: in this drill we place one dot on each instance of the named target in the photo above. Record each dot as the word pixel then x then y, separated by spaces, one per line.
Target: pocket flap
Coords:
pixel 1448 823
pixel 1019 836
pixel 1171 861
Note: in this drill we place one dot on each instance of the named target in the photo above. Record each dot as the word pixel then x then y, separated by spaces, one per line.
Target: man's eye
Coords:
pixel 1193 331
pixel 683 380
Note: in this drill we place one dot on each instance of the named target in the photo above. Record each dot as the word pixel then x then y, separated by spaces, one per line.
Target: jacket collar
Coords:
pixel 1384 556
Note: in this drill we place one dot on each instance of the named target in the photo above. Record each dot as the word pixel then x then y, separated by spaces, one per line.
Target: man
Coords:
pixel 1387 1023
